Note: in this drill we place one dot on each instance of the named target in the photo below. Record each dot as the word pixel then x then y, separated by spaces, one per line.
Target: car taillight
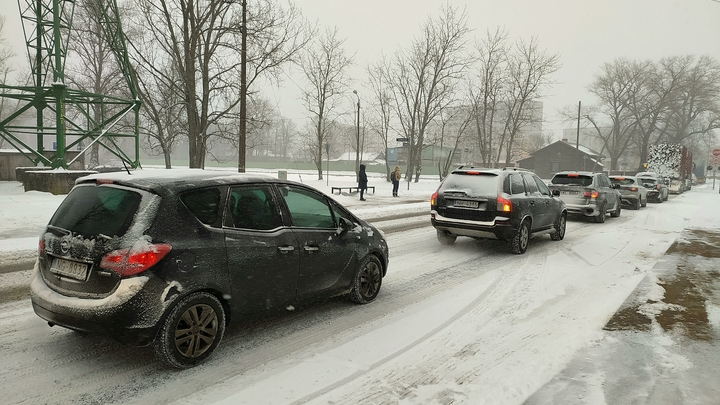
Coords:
pixel 433 199
pixel 41 247
pixel 657 187
pixel 503 204
pixel 590 194
pixel 129 262
pixel 633 188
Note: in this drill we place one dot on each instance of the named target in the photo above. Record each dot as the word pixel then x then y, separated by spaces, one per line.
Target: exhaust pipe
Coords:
pixel 51 324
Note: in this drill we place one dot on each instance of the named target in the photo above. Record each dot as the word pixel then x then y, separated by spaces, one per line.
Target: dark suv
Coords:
pixel 169 257
pixel 505 204
pixel 590 194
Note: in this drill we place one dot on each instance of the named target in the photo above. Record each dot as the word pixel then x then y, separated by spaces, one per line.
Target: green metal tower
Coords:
pixel 47 25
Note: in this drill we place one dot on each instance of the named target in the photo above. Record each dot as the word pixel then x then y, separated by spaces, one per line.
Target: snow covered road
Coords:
pixel 468 323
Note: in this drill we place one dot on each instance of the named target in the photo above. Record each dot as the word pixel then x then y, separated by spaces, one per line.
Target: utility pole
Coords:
pixel 242 136
pixel 577 141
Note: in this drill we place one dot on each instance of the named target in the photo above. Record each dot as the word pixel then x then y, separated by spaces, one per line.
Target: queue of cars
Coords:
pixel 510 204
pixel 169 259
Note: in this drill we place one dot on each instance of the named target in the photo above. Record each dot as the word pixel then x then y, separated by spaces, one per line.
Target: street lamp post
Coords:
pixel 357 139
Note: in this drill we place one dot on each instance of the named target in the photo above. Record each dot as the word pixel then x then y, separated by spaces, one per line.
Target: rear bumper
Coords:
pixel 588 210
pixel 630 200
pixel 499 228
pixel 124 315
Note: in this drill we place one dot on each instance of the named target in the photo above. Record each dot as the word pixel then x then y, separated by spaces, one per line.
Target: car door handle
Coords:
pixel 310 248
pixel 285 249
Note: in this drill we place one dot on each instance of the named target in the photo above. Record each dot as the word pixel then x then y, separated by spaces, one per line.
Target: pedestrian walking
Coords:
pixel 362 181
pixel 395 177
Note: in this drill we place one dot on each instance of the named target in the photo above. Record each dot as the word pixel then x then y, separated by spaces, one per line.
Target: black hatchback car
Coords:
pixel 168 257
pixel 505 204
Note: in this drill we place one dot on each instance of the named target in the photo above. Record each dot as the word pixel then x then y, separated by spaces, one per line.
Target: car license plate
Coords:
pixel 570 192
pixel 70 269
pixel 466 204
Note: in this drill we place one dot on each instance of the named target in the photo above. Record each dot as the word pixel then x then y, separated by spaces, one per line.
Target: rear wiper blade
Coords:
pixel 58 229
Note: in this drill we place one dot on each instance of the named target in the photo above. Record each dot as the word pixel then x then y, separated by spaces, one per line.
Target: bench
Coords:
pixel 350 189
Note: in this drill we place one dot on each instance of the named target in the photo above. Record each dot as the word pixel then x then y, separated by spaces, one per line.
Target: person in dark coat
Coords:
pixel 395 177
pixel 362 181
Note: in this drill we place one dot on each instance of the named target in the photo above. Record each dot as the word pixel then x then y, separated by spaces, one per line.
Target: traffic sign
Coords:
pixel 716 152
pixel 405 140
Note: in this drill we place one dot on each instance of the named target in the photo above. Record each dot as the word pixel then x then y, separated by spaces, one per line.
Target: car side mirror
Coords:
pixel 616 186
pixel 556 193
pixel 344 225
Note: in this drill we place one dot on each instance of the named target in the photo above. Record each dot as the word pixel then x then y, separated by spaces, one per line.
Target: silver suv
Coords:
pixel 590 194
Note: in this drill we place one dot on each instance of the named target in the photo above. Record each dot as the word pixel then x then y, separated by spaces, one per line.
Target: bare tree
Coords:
pixel 696 109
pixel 650 97
pixel 536 140
pixel 454 124
pixel 424 79
pixel 195 36
pixel 613 87
pixel 381 108
pixel 163 120
pixel 325 68
pixel 529 71
pixel 261 116
pixel 486 90
pixel 284 137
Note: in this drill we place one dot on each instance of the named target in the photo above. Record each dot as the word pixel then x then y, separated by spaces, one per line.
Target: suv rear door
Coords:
pixel 607 190
pixel 540 202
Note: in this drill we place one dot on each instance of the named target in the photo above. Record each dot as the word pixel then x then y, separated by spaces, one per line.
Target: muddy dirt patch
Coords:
pixel 691 285
pixel 697 242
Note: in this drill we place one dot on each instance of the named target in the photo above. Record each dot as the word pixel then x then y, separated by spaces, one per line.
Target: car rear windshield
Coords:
pixel 623 182
pixel 648 180
pixel 572 180
pixel 97 210
pixel 474 184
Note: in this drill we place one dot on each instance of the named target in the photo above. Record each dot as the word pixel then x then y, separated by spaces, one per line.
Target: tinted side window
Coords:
pixel 307 209
pixel 92 210
pixel 530 184
pixel 204 205
pixel 544 190
pixel 516 184
pixel 252 207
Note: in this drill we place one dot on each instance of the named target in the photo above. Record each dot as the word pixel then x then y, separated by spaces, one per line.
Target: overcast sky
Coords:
pixel 585 33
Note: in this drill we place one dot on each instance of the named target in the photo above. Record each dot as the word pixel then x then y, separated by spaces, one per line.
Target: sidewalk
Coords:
pixel 661 346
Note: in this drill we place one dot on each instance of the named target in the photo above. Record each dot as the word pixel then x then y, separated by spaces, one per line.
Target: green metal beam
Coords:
pixel 46 26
